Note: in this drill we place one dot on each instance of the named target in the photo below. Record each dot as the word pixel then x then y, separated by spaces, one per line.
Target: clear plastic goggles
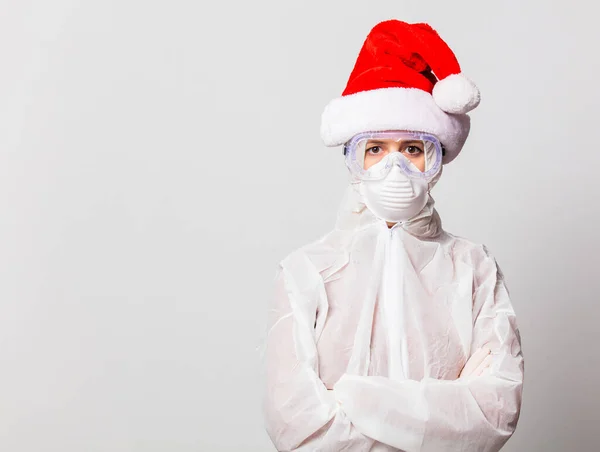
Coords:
pixel 371 155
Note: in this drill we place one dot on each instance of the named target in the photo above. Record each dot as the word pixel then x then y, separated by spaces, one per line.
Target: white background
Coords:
pixel 158 159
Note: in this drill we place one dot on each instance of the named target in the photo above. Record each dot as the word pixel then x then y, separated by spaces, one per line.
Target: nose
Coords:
pixel 397 157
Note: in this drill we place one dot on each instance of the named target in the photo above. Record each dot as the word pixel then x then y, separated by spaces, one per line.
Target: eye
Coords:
pixel 413 150
pixel 374 150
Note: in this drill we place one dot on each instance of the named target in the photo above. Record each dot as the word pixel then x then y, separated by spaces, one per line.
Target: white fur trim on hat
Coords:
pixel 393 109
pixel 456 94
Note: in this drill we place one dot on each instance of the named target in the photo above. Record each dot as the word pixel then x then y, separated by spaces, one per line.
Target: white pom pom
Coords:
pixel 456 94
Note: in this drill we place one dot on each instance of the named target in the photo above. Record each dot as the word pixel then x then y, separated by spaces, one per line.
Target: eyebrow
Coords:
pixel 375 142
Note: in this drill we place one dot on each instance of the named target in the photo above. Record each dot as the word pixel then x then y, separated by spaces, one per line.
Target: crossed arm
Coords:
pixel 477 412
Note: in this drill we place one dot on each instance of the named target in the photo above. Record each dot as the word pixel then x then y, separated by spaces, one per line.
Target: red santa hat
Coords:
pixel 405 78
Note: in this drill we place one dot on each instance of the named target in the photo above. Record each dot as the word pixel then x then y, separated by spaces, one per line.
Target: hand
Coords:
pixel 478 362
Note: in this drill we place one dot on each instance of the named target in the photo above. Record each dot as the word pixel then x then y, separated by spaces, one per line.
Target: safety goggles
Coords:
pixel 371 155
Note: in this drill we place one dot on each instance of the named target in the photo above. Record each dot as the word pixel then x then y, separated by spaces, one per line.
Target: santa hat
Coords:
pixel 405 78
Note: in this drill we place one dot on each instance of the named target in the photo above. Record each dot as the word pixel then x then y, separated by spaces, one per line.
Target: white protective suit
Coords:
pixel 369 330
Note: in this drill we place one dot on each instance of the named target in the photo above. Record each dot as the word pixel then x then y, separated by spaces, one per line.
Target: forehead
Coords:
pixel 391 140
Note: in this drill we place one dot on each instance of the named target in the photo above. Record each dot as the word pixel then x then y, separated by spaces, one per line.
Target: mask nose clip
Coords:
pixel 397 158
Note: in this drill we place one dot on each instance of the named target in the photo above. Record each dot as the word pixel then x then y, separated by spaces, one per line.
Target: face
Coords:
pixel 413 150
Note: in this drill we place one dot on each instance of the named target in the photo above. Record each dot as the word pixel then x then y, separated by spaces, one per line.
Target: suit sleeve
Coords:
pixel 300 414
pixel 472 414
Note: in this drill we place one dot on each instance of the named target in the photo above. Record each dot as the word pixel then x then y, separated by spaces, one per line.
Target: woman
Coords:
pixel 390 333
